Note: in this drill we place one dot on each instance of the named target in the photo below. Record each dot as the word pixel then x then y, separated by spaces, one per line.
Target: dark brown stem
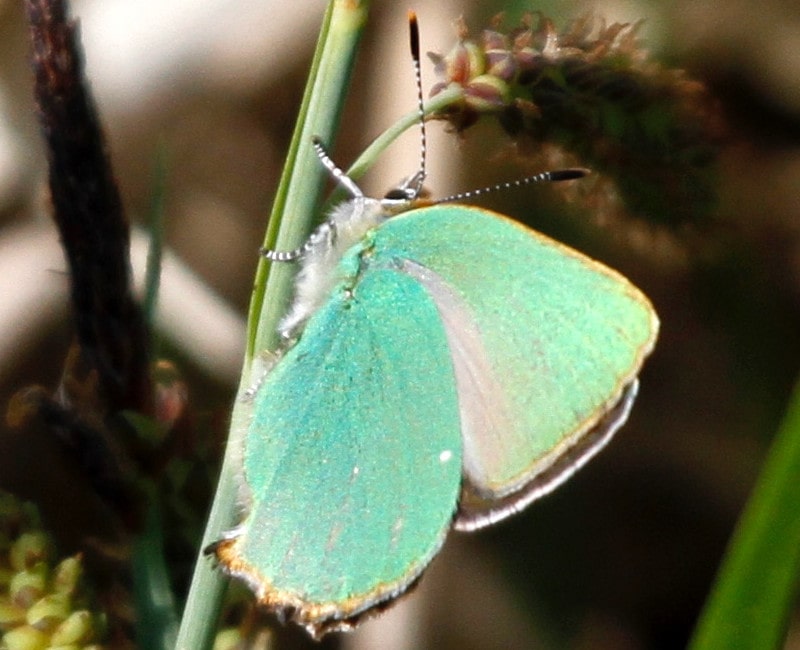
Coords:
pixel 88 213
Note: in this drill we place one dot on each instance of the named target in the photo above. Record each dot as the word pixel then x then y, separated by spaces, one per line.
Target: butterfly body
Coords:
pixel 346 225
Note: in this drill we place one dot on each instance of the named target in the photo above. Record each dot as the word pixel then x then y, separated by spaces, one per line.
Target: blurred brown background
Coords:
pixel 622 556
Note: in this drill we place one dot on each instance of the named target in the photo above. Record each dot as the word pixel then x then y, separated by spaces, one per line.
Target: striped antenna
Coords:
pixel 324 231
pixel 343 179
pixel 318 235
pixel 419 178
pixel 553 176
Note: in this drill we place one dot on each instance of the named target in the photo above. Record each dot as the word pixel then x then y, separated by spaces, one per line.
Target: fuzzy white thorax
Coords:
pixel 346 225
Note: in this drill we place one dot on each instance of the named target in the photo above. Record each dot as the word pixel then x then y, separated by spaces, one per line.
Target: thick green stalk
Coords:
pixel 296 198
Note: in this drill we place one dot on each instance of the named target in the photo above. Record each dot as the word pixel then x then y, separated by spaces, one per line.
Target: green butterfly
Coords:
pixel 445 366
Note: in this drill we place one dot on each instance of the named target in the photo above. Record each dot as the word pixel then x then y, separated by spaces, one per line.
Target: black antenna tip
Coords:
pixel 413 29
pixel 568 174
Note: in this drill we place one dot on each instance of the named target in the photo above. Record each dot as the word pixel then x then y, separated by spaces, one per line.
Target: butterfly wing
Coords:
pixel 546 345
pixel 352 460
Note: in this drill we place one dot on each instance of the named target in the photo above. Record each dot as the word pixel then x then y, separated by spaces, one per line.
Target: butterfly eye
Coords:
pixel 399 194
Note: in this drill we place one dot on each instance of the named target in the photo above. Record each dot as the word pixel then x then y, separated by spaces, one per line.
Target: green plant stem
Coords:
pixel 157 620
pixel 296 197
pixel 303 176
pixel 379 144
pixel 753 597
pixel 156 248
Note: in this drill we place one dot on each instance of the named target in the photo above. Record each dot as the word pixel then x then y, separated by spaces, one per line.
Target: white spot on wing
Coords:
pixel 445 456
pixel 485 420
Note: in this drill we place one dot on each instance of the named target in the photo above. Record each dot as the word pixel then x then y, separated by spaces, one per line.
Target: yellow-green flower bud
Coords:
pixel 25 638
pixel 29 549
pixel 486 93
pixel 11 615
pixel 47 613
pixel 76 630
pixel 67 575
pixel 28 586
pixel 228 639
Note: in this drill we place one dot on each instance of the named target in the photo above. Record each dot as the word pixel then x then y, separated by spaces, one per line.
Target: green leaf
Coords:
pixel 755 591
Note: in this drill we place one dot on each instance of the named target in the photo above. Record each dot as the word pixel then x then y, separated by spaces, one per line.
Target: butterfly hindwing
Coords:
pixel 352 461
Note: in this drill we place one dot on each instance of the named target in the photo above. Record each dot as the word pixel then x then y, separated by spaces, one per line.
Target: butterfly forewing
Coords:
pixel 545 341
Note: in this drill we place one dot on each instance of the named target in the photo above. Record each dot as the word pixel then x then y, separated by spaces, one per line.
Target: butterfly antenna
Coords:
pixel 554 176
pixel 343 179
pixel 325 229
pixel 419 178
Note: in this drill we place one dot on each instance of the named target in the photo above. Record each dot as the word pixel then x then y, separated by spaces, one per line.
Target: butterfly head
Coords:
pixel 410 193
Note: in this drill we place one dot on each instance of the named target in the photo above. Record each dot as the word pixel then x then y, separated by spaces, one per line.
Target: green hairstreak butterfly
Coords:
pixel 444 367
